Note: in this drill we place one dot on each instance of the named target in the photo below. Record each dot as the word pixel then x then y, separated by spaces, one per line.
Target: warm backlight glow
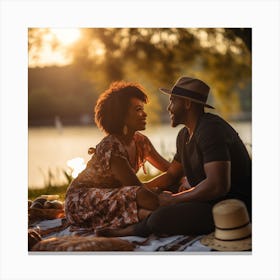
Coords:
pixel 77 165
pixel 54 43
pixel 66 36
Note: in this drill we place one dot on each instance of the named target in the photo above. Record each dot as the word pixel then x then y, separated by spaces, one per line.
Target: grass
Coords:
pixel 51 188
pixel 59 190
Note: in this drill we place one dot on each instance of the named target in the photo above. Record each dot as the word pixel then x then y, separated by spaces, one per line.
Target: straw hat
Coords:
pixel 232 227
pixel 191 88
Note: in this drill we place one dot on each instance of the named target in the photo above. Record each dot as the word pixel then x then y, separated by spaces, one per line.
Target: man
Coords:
pixel 209 154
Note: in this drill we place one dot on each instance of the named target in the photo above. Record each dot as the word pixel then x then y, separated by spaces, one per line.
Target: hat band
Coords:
pixel 235 239
pixel 188 93
pixel 233 227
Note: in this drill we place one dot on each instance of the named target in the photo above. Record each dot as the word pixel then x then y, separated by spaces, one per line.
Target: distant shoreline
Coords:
pixel 242 117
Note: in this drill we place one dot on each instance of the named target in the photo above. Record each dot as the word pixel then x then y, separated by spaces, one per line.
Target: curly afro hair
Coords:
pixel 112 105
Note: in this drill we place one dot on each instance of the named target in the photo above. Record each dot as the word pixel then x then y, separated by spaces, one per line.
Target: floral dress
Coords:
pixel 96 199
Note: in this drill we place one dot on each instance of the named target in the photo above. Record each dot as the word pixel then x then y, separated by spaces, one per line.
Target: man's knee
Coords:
pixel 158 222
pixel 187 218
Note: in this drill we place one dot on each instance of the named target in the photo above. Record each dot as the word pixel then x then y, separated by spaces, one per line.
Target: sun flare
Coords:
pixel 66 36
pixel 77 165
pixel 53 47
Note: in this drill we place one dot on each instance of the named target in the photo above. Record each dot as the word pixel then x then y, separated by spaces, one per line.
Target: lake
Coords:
pixel 52 150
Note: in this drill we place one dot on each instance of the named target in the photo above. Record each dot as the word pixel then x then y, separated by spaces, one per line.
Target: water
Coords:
pixel 49 148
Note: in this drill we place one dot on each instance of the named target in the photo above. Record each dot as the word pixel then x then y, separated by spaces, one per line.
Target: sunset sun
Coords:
pixel 53 47
pixel 66 36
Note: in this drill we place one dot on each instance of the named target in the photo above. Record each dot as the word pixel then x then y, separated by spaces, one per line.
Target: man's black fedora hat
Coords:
pixel 191 88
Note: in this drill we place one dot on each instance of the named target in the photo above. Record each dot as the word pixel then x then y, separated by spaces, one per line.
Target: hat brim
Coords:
pixel 229 246
pixel 168 91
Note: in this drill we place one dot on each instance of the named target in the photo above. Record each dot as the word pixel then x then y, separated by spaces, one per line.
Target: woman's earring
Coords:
pixel 125 130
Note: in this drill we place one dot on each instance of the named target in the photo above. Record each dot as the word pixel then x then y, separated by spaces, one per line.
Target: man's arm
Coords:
pixel 216 184
pixel 172 176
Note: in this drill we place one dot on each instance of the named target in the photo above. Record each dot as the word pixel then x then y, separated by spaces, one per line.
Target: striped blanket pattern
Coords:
pixel 57 228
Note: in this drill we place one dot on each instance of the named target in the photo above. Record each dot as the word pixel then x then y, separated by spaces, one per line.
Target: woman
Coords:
pixel 108 194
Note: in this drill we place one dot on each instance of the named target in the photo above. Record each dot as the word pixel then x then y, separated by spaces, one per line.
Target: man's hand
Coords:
pixel 166 198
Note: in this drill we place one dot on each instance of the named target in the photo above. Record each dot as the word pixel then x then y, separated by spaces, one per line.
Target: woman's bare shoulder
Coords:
pixel 140 136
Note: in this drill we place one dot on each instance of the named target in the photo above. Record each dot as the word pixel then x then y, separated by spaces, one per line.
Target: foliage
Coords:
pixel 59 190
pixel 155 57
pixel 214 55
pixel 58 91
pixel 51 186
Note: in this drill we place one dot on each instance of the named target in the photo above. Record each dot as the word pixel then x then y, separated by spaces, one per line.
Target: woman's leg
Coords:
pixel 135 229
pixel 147 201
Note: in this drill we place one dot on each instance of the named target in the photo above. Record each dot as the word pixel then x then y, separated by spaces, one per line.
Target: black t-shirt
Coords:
pixel 215 140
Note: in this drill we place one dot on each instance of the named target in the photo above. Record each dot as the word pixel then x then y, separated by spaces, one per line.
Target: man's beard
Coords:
pixel 178 118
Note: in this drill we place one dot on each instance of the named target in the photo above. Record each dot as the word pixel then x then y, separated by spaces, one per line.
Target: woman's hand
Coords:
pixel 184 185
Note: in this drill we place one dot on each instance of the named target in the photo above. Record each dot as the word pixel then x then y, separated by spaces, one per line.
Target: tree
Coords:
pixel 156 57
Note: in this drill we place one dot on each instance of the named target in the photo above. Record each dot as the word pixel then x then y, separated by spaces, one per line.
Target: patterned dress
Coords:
pixel 96 199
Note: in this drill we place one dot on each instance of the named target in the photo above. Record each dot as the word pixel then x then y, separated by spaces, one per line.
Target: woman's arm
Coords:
pixel 123 172
pixel 156 159
pixel 169 178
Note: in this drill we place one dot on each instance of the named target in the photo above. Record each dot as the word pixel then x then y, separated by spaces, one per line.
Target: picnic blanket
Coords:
pixel 54 230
